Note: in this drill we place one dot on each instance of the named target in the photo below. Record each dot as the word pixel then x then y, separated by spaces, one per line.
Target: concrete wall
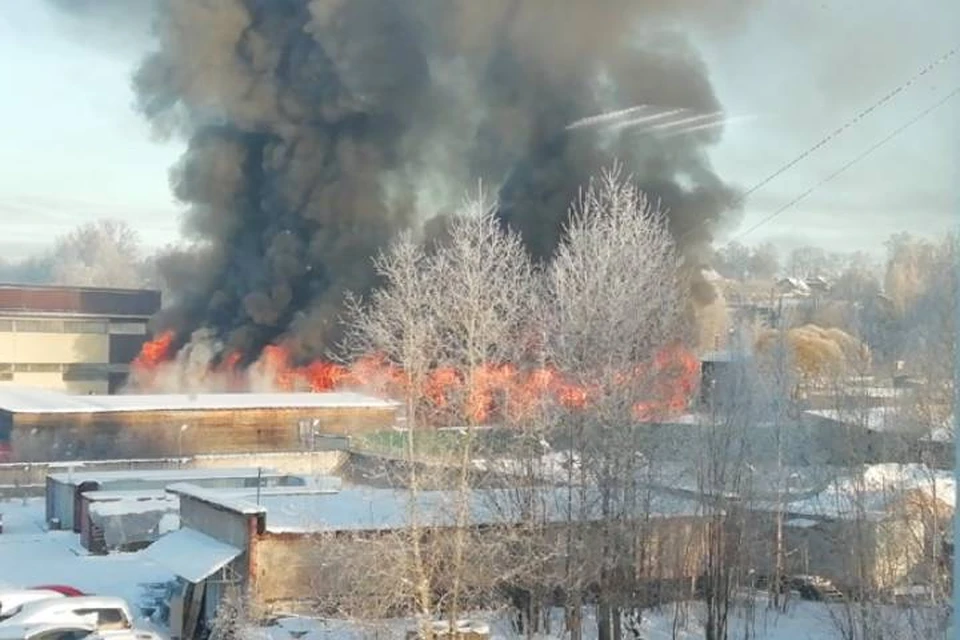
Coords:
pixel 294 462
pixel 66 352
pixel 54 348
pixel 222 524
pixel 304 463
pixel 54 381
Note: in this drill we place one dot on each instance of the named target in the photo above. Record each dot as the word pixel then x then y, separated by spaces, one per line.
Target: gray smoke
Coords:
pixel 318 129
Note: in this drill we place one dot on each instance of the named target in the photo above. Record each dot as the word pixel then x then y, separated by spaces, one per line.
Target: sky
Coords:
pixel 74 149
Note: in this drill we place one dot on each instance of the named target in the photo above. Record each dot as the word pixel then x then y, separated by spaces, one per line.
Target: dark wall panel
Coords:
pixel 76 300
pixel 124 348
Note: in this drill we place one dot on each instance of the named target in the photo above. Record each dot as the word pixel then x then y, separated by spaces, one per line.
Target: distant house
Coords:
pixel 818 284
pixel 880 531
pixel 874 434
pixel 792 287
pixel 289 550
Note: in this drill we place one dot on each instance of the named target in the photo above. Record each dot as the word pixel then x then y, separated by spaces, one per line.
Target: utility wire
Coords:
pixel 893 134
pixel 838 131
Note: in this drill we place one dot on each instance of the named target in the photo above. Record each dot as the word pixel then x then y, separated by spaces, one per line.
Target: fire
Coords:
pixel 486 392
pixel 155 351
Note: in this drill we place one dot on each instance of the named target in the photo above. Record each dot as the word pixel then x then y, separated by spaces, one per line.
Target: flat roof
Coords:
pixel 129 495
pixel 17 399
pixel 375 509
pixel 154 475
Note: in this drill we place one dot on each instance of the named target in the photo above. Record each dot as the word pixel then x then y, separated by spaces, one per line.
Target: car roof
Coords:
pixel 79 602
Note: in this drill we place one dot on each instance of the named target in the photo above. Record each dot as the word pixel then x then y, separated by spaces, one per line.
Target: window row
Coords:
pixel 73 326
pixel 70 371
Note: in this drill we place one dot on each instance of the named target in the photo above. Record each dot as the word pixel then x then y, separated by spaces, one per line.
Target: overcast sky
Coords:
pixel 74 150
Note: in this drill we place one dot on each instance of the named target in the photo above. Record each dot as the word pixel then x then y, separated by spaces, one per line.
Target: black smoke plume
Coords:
pixel 318 129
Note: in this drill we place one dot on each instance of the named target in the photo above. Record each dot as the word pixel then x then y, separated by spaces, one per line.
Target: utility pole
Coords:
pixel 956 431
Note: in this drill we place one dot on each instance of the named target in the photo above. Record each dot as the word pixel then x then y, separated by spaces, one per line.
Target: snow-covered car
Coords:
pixel 105 613
pixel 46 632
pixel 12 599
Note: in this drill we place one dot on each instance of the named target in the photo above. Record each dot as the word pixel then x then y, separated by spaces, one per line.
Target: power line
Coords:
pixel 838 131
pixel 893 134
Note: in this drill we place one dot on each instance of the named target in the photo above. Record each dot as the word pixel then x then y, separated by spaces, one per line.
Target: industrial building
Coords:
pixel 73 339
pixel 299 550
pixel 39 425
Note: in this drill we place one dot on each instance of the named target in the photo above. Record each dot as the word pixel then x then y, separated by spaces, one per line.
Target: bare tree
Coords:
pixel 443 318
pixel 233 620
pixel 399 324
pixel 487 286
pixel 614 302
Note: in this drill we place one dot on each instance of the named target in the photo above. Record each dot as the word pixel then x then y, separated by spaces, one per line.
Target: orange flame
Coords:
pixel 485 393
pixel 155 351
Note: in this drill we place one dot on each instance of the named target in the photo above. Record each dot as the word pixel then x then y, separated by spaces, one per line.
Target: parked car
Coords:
pixel 105 613
pixel 70 592
pixel 12 599
pixel 46 632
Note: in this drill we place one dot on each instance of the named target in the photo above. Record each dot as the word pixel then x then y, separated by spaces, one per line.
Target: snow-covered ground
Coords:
pixel 31 556
pixel 802 621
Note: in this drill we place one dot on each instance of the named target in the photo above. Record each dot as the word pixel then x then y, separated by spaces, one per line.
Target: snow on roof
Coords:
pixel 190 554
pixel 874 418
pixel 801 523
pixel 216 497
pixel 872 492
pixel 131 507
pixel 372 509
pixel 17 399
pixel 942 434
pixel 134 495
pixel 161 475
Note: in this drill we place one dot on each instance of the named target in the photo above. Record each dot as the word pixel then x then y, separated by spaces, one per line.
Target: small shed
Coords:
pixel 125 520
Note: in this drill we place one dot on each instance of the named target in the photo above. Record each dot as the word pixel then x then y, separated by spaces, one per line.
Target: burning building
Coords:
pixel 318 129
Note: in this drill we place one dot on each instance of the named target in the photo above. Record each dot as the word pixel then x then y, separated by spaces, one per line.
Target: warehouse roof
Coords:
pixel 371 509
pixel 30 400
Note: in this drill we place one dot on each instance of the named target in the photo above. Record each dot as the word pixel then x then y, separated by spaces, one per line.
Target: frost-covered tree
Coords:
pixel 613 301
pixel 104 253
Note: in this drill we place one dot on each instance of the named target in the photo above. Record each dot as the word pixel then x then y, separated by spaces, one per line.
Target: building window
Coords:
pixel 84 326
pixel 6 376
pixel 128 328
pixel 37 367
pixel 85 371
pixel 6 326
pixel 38 326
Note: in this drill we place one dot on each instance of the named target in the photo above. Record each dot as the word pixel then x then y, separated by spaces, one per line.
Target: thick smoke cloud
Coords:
pixel 318 129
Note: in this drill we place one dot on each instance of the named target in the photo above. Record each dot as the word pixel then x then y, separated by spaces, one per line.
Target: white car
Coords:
pixel 12 599
pixel 104 613
pixel 46 632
